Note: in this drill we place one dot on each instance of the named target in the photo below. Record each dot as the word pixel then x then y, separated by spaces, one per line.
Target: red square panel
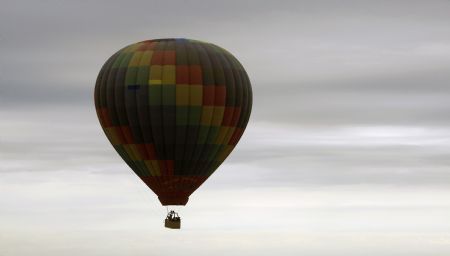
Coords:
pixel 182 74
pixel 227 115
pixel 126 131
pixel 220 91
pixel 151 45
pixel 142 151
pixel 236 115
pixel 104 117
pixel 195 74
pixel 169 164
pixel 151 151
pixel 208 95
pixel 163 167
pixel 169 58
pixel 146 45
pixel 119 134
pixel 236 136
pixel 157 58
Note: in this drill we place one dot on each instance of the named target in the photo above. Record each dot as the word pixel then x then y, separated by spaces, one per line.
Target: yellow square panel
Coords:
pixel 149 166
pixel 146 58
pixel 229 134
pixel 168 74
pixel 218 116
pixel 222 133
pixel 136 152
pixel 207 113
pixel 196 95
pixel 130 153
pixel 132 48
pixel 112 135
pixel 182 94
pixel 224 153
pixel 155 74
pixel 135 59
pixel 153 167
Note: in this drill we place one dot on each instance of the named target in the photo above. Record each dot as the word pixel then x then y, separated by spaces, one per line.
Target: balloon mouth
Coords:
pixel 167 200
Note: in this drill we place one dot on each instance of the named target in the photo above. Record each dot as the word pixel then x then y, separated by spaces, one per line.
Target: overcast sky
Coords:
pixel 347 151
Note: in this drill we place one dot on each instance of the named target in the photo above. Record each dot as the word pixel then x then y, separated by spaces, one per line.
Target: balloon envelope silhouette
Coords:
pixel 173 109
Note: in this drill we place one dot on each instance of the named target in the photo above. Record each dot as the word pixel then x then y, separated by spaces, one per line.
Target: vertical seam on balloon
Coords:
pixel 98 87
pixel 139 130
pixel 192 54
pixel 214 59
pixel 154 165
pixel 207 170
pixel 154 162
pixel 159 149
pixel 102 86
pixel 192 160
pixel 242 118
pixel 202 147
pixel 147 110
pixel 100 83
pixel 120 84
pixel 243 103
pixel 249 99
pixel 113 77
pixel 171 108
pixel 238 91
pixel 183 145
pixel 159 154
pixel 163 46
pixel 247 93
pixel 161 158
pixel 142 65
pixel 113 90
pixel 229 59
pixel 130 152
pixel 137 168
pixel 157 179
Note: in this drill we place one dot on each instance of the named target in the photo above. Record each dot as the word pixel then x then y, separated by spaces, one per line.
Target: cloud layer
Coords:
pixel 346 151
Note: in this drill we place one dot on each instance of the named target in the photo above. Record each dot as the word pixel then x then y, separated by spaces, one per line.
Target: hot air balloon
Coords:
pixel 173 109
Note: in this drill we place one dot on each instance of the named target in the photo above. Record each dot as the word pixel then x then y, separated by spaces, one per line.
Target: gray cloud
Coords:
pixel 349 132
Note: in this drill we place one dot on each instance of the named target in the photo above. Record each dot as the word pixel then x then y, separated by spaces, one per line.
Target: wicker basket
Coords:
pixel 174 224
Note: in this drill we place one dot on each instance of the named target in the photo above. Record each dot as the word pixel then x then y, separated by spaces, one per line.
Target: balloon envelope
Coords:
pixel 173 109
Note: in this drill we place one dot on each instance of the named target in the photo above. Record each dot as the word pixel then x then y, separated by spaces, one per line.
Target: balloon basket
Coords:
pixel 172 221
pixel 172 224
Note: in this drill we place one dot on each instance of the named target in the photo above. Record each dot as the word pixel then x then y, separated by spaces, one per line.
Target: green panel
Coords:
pixel 182 116
pixel 192 54
pixel 168 94
pixel 211 153
pixel 126 59
pixel 142 76
pixel 118 60
pixel 143 169
pixel 195 113
pixel 130 78
pixel 212 134
pixel 181 54
pixel 203 134
pixel 154 94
